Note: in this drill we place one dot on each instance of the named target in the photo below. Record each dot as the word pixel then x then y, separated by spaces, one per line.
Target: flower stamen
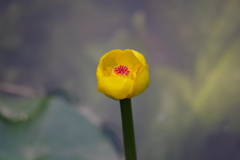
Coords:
pixel 121 70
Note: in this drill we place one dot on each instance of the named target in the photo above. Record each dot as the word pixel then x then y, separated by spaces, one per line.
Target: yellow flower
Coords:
pixel 122 74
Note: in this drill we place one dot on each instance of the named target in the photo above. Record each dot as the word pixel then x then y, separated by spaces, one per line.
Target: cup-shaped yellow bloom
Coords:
pixel 122 74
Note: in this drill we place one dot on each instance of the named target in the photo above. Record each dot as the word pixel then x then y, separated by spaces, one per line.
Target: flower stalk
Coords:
pixel 128 129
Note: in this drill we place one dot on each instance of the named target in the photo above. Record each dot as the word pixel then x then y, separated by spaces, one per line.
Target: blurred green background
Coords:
pixel 49 105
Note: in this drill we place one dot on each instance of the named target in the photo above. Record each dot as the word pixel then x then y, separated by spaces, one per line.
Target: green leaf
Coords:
pixel 56 133
pixel 21 109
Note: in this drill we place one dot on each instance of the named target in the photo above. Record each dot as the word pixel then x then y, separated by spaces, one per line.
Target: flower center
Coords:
pixel 129 71
pixel 121 70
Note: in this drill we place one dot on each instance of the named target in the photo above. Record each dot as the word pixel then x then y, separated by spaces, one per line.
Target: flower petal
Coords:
pixel 106 60
pixel 129 56
pixel 99 72
pixel 115 87
pixel 141 82
pixel 140 57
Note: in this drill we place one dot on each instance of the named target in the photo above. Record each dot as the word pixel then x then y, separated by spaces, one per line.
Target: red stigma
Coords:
pixel 122 70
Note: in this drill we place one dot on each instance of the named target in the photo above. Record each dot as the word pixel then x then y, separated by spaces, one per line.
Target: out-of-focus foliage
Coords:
pixel 190 110
pixel 14 110
pixel 57 132
pixel 204 100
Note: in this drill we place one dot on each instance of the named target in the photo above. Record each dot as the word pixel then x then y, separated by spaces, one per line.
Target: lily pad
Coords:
pixel 57 132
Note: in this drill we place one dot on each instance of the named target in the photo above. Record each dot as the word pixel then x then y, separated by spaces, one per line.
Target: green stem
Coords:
pixel 128 129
